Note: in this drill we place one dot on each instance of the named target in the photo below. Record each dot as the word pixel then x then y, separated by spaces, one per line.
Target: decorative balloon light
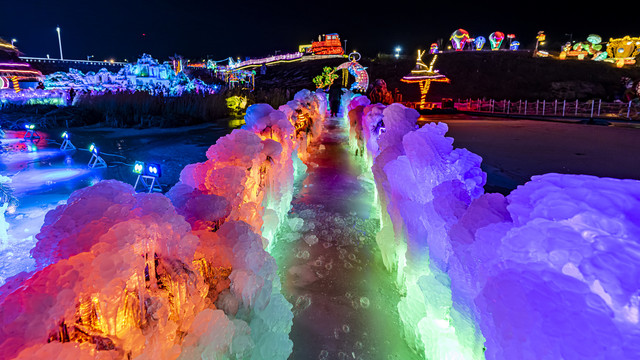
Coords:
pixel 459 38
pixel 423 75
pixel 514 45
pixel 434 48
pixel 496 39
pixel 480 41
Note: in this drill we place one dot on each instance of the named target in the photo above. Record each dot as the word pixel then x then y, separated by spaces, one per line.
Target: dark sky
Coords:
pixel 219 29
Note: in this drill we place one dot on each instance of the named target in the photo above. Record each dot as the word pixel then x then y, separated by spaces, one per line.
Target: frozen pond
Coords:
pixel 44 176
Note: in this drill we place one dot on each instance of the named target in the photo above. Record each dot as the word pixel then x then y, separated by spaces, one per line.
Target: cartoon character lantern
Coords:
pixel 514 45
pixel 434 48
pixel 480 41
pixel 496 40
pixel 459 38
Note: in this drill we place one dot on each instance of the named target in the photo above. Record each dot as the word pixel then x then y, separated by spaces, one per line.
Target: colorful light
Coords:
pixel 16 85
pixel 459 38
pixel 514 45
pixel 423 75
pixel 138 167
pixel 434 48
pixel 153 170
pixel 496 39
pixel 480 41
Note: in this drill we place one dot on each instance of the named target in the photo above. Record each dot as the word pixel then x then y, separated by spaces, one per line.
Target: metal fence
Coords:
pixel 556 108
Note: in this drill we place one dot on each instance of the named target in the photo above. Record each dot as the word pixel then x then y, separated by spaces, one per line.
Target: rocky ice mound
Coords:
pixel 139 283
pixel 556 268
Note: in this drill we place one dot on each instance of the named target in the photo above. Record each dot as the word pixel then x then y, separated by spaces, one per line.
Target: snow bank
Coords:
pixel 549 272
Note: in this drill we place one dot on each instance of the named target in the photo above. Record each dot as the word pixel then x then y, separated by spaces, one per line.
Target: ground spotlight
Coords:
pixel 96 161
pixel 154 170
pixel 66 144
pixel 138 167
pixel 31 132
pixel 147 176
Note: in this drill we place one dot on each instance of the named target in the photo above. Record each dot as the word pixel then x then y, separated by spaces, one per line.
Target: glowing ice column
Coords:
pixel 418 175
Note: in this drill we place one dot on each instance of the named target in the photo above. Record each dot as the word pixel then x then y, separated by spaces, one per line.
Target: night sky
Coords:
pixel 219 29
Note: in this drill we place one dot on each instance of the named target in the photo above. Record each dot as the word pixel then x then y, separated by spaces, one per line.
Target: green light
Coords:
pixel 138 167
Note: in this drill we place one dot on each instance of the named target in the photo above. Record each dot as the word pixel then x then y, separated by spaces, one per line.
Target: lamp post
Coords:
pixel 59 42
pixel 13 41
pixel 398 49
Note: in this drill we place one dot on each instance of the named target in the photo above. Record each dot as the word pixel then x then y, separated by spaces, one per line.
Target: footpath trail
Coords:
pixel 345 302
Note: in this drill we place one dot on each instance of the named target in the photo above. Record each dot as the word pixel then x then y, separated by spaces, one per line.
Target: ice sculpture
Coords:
pixel 549 272
pixel 555 268
pixel 132 279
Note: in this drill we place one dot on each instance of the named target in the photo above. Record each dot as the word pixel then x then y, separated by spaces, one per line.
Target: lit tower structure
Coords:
pixel 423 75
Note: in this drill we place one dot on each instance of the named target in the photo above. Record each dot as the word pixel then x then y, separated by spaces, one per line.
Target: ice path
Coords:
pixel 345 302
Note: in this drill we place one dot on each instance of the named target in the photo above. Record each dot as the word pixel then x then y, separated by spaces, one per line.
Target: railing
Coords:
pixel 555 108
pixel 73 61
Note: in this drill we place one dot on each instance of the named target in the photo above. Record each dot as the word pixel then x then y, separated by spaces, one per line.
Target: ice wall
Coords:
pixel 181 276
pixel 556 268
pixel 140 283
pixel 549 272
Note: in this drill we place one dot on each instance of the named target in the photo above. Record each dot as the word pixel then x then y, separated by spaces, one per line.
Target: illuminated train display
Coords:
pixel 328 44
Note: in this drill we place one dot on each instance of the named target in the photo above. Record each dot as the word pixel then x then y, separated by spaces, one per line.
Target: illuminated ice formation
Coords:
pixel 4 205
pixel 549 272
pixel 552 270
pixel 146 74
pixel 130 278
pixel 32 96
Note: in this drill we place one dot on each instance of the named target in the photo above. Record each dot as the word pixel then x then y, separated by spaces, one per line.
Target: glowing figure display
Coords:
pixel 514 45
pixel 459 39
pixel 496 39
pixel 423 75
pixel 480 41
pixel 623 51
pixel 358 71
pixel 433 49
